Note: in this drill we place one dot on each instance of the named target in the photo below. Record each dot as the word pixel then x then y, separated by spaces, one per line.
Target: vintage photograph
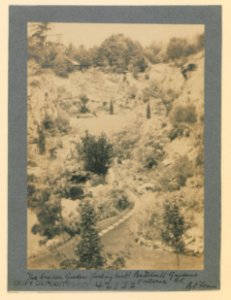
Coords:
pixel 115 146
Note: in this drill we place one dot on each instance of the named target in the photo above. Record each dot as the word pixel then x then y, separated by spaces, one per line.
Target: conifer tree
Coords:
pixel 89 248
pixel 111 108
pixel 173 228
pixel 41 141
pixel 148 111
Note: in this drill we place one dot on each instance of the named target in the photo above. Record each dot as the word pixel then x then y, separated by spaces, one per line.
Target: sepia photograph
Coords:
pixel 115 146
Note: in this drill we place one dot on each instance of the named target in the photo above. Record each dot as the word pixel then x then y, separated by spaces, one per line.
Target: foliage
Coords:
pixel 69 264
pixel 118 263
pixel 48 123
pixel 74 192
pixel 152 153
pixel 179 47
pixel 41 141
pixel 148 111
pixel 120 53
pixel 111 108
pixel 83 103
pixel 37 197
pixel 62 66
pixel 179 130
pixel 62 123
pixel 176 175
pixel 184 113
pixel 96 152
pixel 151 91
pixel 49 218
pixel 201 41
pixel 120 199
pixel 200 157
pixel 132 92
pixel 174 227
pixel 89 248
pixel 154 53
pixel 72 227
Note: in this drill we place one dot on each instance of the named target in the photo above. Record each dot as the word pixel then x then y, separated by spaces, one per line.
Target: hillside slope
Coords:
pixel 155 158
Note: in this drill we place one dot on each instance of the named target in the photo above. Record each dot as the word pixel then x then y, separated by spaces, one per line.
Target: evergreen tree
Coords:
pixel 174 228
pixel 41 141
pixel 111 108
pixel 148 111
pixel 89 248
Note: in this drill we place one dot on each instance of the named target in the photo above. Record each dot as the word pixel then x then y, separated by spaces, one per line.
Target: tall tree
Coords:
pixel 111 109
pixel 89 249
pixel 173 228
pixel 148 111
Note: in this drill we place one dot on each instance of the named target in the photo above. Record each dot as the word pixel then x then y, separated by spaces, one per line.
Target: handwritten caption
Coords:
pixel 126 280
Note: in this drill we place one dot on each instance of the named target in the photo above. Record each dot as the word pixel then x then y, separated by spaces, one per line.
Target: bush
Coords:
pixel 153 90
pixel 83 103
pixel 75 192
pixel 118 263
pixel 62 67
pixel 69 264
pixel 96 153
pixel 132 92
pixel 184 114
pixel 122 203
pixel 63 124
pixel 200 157
pixel 152 154
pixel 48 123
pixel 49 218
pixel 38 198
pixel 183 166
pixel 175 177
pixel 71 227
pixel 179 130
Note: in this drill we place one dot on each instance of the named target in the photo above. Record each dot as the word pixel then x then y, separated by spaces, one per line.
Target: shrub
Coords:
pixel 186 114
pixel 200 157
pixel 179 130
pixel 152 154
pixel 176 176
pixel 48 123
pixel 153 90
pixel 75 192
pixel 69 264
pixel 132 92
pixel 83 103
pixel 96 153
pixel 122 203
pixel 97 180
pixel 62 67
pixel 183 166
pixel 118 263
pixel 71 227
pixel 49 218
pixel 63 124
pixel 38 198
